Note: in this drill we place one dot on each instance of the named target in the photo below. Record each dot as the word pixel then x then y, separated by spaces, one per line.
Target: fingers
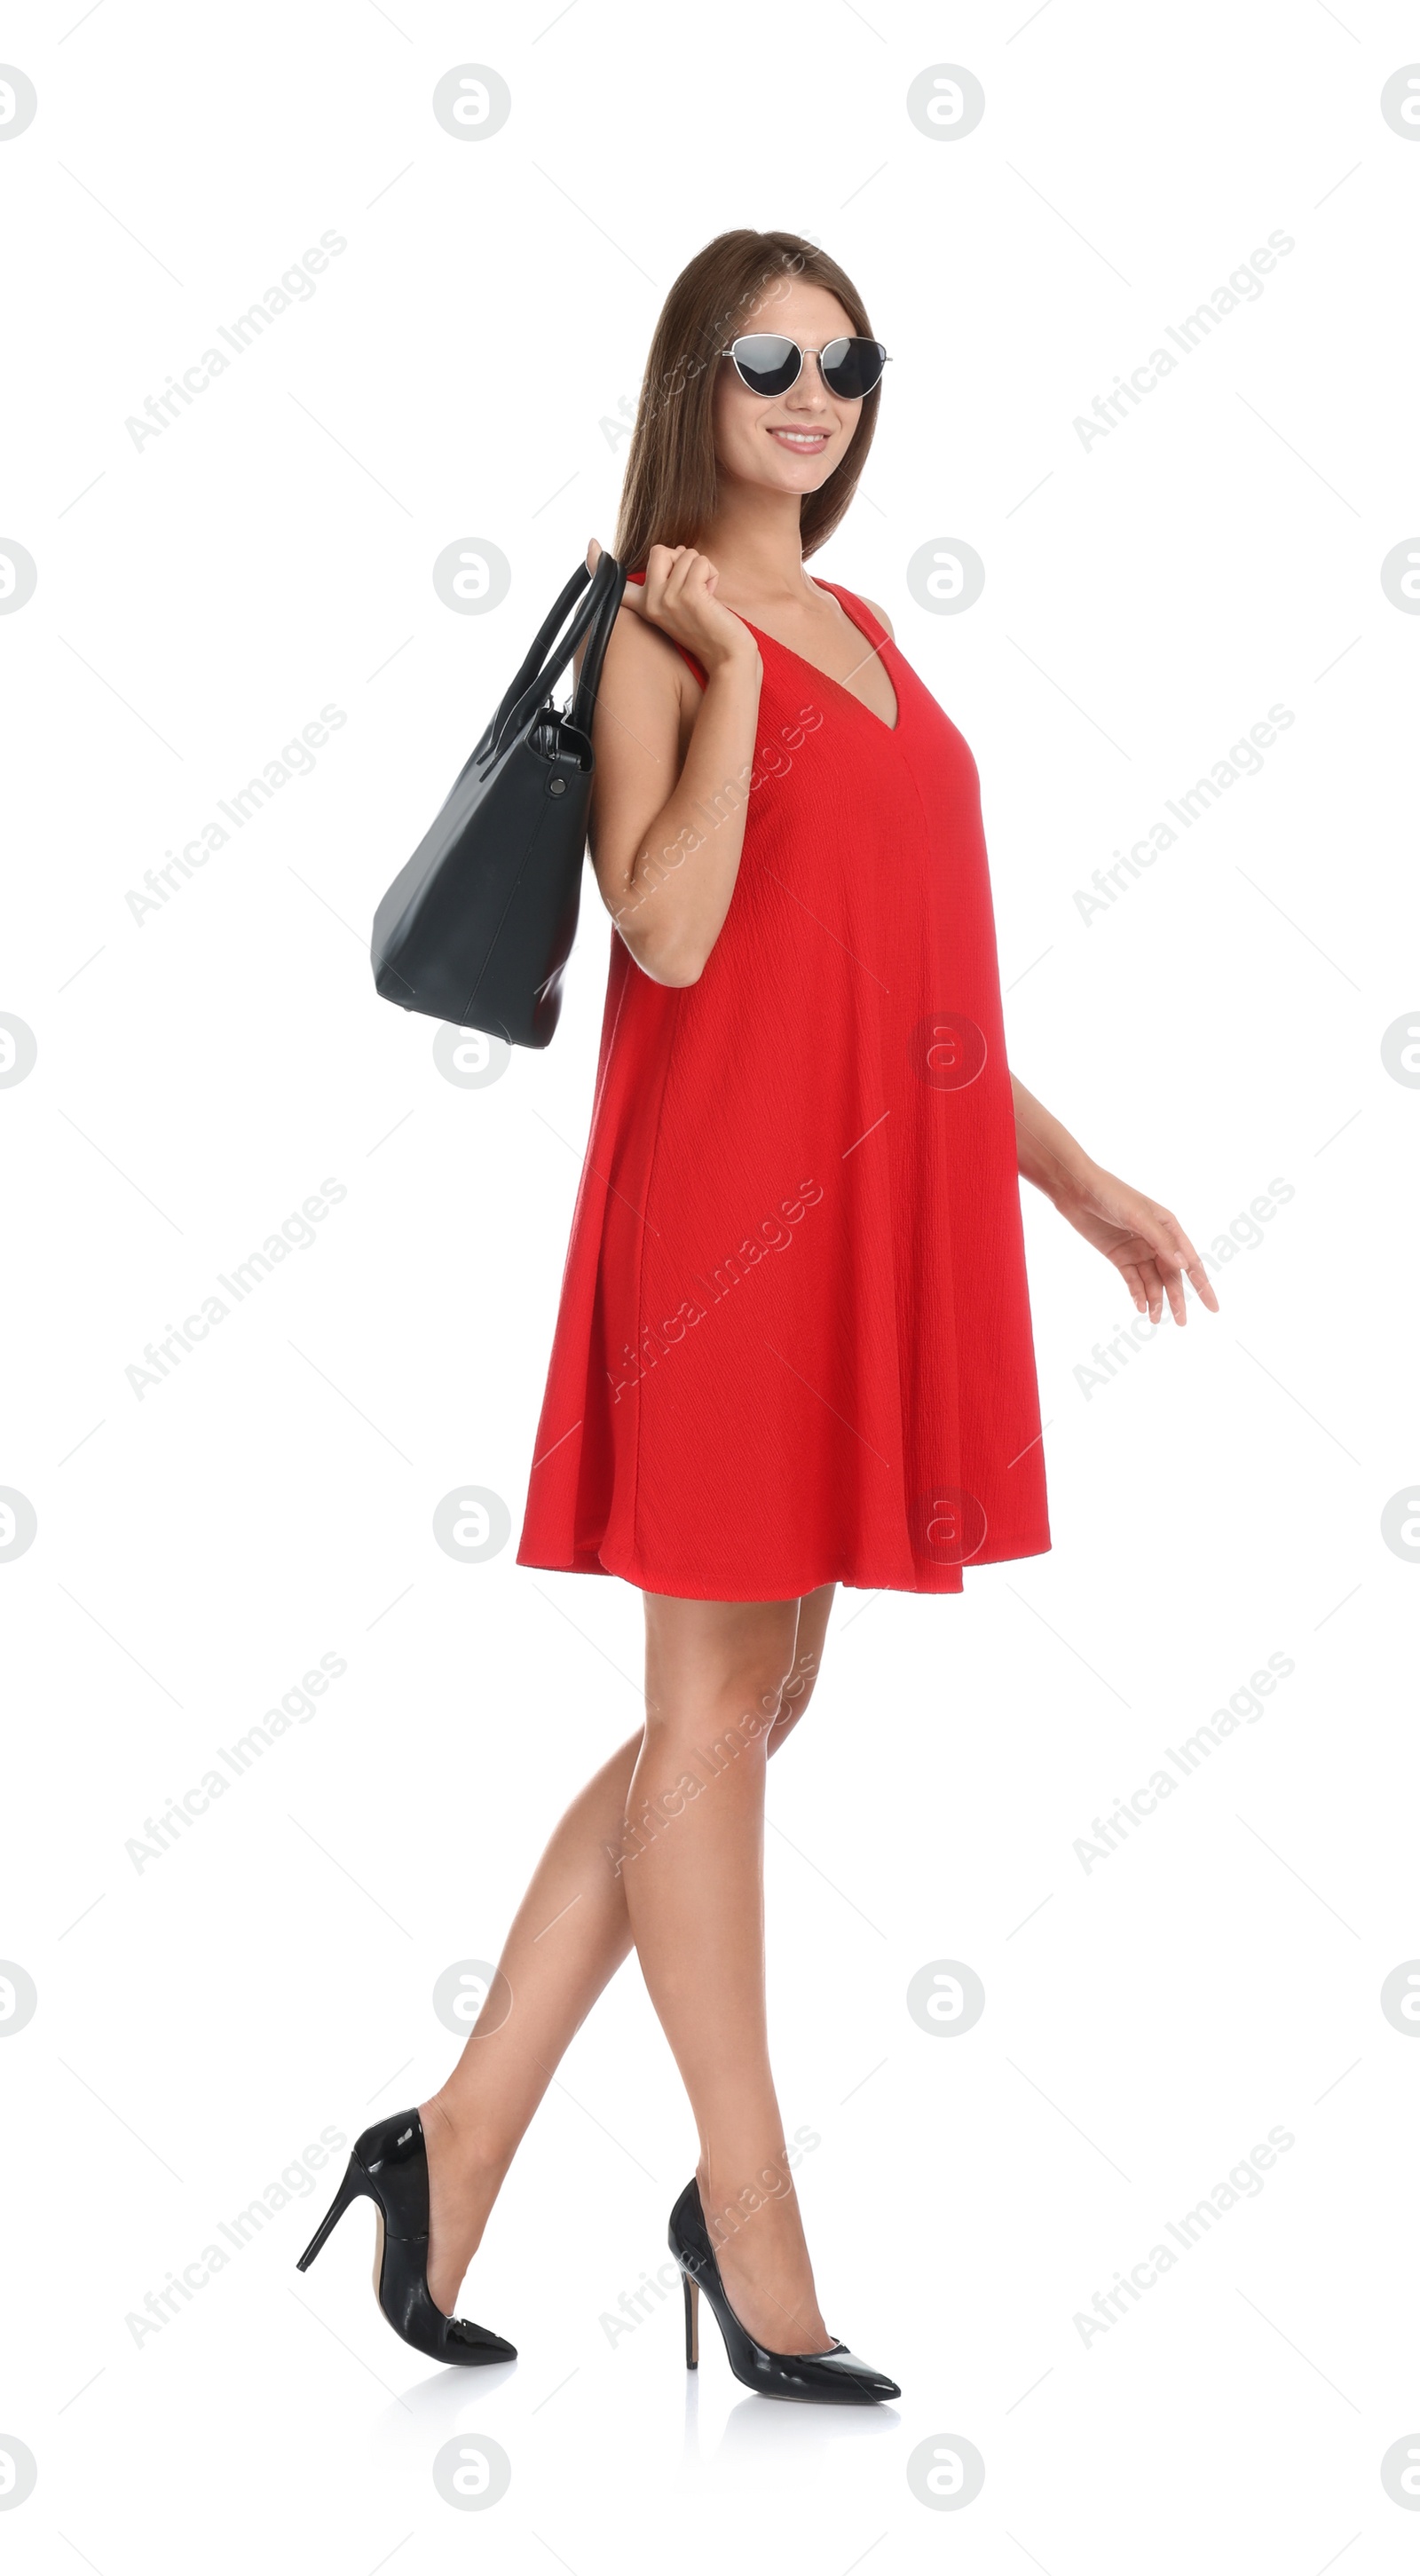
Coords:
pixel 594 552
pixel 660 566
pixel 1161 1271
pixel 675 576
pixel 1192 1263
pixel 644 598
pixel 687 574
pixel 660 561
pixel 1154 1263
pixel 1179 1260
pixel 676 565
pixel 1141 1278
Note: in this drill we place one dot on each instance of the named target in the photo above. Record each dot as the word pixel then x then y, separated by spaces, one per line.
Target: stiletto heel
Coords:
pixel 390 2166
pixel 835 2378
pixel 354 2187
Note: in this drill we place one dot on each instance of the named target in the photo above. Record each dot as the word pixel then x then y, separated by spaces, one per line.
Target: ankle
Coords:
pixel 456 2131
pixel 729 2201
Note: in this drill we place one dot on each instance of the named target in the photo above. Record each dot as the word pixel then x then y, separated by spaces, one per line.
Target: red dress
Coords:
pixel 794 1341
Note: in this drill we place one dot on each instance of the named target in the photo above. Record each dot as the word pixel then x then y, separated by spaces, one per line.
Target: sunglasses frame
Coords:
pixel 847 337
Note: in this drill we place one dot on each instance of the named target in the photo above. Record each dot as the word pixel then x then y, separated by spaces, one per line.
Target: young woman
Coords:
pixel 794 1344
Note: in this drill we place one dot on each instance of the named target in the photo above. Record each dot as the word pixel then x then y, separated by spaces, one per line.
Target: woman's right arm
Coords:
pixel 672 778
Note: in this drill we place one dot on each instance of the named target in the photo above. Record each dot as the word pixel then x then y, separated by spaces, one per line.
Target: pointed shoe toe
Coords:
pixel 390 2166
pixel 466 2342
pixel 834 2378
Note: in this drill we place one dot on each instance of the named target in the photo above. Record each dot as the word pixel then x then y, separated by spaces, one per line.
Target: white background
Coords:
pixel 458 373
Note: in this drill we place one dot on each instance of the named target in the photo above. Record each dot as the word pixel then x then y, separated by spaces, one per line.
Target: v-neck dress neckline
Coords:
pixel 817 669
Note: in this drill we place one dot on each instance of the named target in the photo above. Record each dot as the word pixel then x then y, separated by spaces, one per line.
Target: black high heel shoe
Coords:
pixel 390 2166
pixel 835 2378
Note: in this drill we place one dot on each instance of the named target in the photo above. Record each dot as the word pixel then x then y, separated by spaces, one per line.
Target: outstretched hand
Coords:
pixel 1145 1242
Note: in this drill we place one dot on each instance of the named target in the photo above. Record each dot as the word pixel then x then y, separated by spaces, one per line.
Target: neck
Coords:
pixel 753 540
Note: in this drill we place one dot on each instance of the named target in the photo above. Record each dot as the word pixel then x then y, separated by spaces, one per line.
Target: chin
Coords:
pixel 803 474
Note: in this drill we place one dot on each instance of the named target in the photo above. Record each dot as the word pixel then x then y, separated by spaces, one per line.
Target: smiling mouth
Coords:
pixel 806 442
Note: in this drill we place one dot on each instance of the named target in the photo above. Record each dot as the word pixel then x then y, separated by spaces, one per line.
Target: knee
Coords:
pixel 796 1693
pixel 731 1709
pixel 799 1685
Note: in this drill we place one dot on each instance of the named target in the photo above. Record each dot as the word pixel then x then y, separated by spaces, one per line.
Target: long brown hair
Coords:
pixel 671 475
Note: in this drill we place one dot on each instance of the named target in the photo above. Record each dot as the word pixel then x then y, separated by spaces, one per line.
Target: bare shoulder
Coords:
pixel 642 670
pixel 880 614
pixel 640 651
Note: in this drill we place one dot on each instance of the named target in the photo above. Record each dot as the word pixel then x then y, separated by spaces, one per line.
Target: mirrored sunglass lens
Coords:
pixel 851 368
pixel 768 364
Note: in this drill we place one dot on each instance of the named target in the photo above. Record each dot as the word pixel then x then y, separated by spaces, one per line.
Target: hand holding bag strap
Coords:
pixel 606 579
pixel 590 679
pixel 532 659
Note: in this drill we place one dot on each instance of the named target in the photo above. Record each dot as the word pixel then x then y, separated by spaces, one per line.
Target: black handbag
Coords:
pixel 477 927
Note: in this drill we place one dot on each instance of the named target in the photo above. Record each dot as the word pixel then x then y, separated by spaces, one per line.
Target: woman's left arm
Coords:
pixel 1145 1242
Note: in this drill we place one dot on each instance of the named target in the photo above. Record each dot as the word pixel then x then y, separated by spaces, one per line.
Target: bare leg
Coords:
pixel 568 1938
pixel 716 1677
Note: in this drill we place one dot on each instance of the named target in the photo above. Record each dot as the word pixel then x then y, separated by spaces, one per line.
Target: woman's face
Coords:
pixel 787 442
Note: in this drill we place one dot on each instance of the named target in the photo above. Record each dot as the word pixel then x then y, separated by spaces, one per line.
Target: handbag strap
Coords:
pixel 589 680
pixel 532 659
pixel 606 583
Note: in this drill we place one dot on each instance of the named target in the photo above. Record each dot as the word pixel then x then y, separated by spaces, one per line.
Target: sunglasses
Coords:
pixel 770 364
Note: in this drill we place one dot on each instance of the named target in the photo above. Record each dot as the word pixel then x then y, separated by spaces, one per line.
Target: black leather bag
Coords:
pixel 477 927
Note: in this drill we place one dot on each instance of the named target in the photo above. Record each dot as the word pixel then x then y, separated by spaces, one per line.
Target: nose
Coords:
pixel 808 391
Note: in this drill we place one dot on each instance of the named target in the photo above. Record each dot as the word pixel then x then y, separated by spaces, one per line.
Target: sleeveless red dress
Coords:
pixel 794 1341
